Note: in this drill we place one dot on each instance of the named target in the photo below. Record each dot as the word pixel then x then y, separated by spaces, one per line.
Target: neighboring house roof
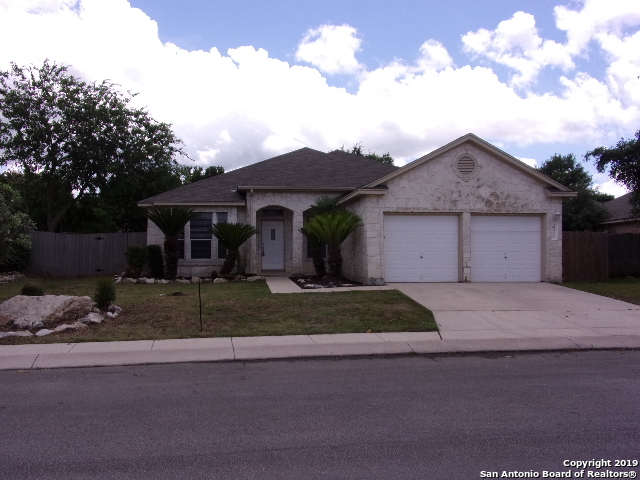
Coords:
pixel 303 169
pixel 554 189
pixel 619 209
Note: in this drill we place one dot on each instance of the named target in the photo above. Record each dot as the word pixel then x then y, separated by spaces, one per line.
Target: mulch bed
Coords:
pixel 308 282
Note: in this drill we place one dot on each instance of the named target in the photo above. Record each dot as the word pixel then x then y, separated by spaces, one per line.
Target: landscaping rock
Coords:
pixel 114 309
pixel 34 312
pixel 312 285
pixel 256 278
pixel 10 277
pixel 25 333
pixel 141 281
pixel 111 315
pixel 65 326
pixel 195 279
pixel 239 277
pixel 118 279
pixel 150 280
pixel 128 280
pixel 43 332
pixel 220 280
pixel 206 280
pixel 91 318
pixel 182 280
pixel 163 281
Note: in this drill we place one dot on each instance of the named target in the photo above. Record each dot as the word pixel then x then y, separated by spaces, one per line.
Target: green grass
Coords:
pixel 625 289
pixel 230 309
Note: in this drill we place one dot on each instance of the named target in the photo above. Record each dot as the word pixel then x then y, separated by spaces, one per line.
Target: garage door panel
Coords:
pixel 505 249
pixel 421 248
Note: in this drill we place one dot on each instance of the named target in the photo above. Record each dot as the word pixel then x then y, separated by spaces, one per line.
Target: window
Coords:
pixel 181 244
pixel 221 217
pixel 200 231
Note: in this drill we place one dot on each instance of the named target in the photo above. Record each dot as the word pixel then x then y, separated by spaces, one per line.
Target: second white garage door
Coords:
pixel 421 248
pixel 505 249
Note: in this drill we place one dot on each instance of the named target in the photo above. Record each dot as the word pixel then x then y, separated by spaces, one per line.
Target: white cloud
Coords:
pixel 241 106
pixel 611 187
pixel 532 162
pixel 516 44
pixel 331 48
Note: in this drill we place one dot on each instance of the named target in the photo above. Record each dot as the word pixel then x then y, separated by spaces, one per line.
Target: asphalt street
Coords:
pixel 435 417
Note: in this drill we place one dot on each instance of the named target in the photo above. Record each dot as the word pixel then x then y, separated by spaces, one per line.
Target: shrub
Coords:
pixel 155 261
pixel 136 259
pixel 31 290
pixel 105 293
pixel 214 274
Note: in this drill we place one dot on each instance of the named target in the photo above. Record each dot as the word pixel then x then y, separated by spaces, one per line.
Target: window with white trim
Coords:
pixel 200 233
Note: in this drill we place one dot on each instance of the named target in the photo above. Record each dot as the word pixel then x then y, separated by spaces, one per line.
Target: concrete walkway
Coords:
pixel 471 317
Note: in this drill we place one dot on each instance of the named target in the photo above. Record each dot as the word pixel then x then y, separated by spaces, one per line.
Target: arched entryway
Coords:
pixel 274 238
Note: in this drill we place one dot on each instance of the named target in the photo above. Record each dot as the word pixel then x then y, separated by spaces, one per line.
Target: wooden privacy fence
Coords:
pixel 595 256
pixel 81 255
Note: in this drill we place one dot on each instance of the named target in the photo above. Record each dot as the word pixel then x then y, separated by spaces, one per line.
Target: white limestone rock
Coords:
pixel 43 332
pixel 206 280
pixel 163 281
pixel 182 280
pixel 311 285
pixel 25 333
pixel 256 278
pixel 92 318
pixel 128 280
pixel 150 281
pixel 118 280
pixel 65 327
pixel 27 312
pixel 220 280
pixel 195 279
pixel 114 309
pixel 111 315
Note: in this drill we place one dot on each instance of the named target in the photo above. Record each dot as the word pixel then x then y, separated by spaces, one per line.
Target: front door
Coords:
pixel 272 245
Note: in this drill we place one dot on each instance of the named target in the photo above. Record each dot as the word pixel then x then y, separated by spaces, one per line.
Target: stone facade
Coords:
pixel 436 187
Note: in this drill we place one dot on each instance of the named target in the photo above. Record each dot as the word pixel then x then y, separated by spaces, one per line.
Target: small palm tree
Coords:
pixel 232 236
pixel 323 204
pixel 333 229
pixel 171 220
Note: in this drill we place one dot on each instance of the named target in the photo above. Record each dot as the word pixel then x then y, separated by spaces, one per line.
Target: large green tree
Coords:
pixel 15 231
pixel 586 211
pixel 80 138
pixel 623 161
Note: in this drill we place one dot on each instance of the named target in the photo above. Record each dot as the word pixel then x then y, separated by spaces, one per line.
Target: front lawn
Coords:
pixel 230 309
pixel 625 289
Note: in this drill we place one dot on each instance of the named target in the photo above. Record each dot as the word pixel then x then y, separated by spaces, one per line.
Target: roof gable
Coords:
pixel 483 145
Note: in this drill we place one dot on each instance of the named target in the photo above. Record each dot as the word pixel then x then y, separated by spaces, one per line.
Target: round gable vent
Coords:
pixel 466 167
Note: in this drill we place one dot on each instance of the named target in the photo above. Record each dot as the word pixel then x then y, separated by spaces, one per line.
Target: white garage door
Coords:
pixel 505 249
pixel 421 248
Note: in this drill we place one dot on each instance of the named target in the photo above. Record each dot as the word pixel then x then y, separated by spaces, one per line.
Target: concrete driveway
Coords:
pixel 522 310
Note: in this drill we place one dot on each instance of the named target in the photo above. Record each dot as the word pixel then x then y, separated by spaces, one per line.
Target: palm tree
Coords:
pixel 324 204
pixel 232 236
pixel 333 229
pixel 171 220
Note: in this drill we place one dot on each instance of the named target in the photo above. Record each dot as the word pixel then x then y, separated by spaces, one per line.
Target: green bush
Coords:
pixel 155 261
pixel 105 293
pixel 136 259
pixel 31 290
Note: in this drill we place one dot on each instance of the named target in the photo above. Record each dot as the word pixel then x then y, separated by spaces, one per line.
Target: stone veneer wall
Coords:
pixel 434 187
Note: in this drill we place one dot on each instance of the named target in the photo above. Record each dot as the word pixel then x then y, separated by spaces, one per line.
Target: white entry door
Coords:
pixel 421 248
pixel 505 249
pixel 272 245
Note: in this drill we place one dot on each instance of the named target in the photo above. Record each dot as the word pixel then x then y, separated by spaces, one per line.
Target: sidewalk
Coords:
pixel 62 355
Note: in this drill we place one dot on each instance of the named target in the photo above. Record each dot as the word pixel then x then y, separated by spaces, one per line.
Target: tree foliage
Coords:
pixel 623 162
pixel 195 174
pixel 15 231
pixel 232 235
pixel 171 220
pixel 586 211
pixel 80 139
pixel 333 229
pixel 357 150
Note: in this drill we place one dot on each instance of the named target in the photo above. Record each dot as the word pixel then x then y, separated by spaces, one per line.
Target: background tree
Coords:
pixel 77 136
pixel 171 220
pixel 15 231
pixel 357 150
pixel 586 211
pixel 624 163
pixel 232 235
pixel 195 174
pixel 333 229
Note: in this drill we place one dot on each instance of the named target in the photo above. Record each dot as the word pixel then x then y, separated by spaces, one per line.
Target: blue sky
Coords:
pixel 242 81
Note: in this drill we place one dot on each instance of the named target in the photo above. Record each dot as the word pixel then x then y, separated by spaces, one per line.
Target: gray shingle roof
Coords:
pixel 619 208
pixel 304 168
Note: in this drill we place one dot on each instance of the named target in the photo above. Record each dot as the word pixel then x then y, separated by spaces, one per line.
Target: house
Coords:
pixel 465 212
pixel 620 218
